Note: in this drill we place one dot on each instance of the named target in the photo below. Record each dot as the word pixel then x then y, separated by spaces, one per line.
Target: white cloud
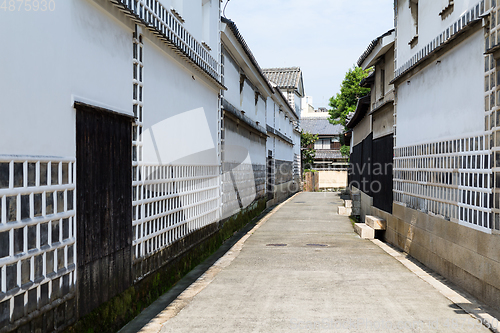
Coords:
pixel 324 37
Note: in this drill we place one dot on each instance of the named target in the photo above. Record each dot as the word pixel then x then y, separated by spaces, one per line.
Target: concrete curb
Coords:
pixel 465 302
pixel 155 325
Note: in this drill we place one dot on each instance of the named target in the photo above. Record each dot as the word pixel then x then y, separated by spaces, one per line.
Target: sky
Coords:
pixel 323 37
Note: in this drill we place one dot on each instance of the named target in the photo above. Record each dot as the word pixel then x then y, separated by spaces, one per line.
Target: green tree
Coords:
pixel 345 102
pixel 345 151
pixel 308 153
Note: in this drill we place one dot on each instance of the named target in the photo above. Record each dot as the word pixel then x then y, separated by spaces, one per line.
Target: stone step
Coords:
pixel 364 231
pixel 375 222
pixel 348 203
pixel 344 211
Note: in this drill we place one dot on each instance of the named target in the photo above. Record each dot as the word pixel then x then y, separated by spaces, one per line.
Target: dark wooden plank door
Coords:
pixel 104 206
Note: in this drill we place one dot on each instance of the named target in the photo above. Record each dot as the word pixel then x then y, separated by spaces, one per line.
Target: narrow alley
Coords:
pixel 304 269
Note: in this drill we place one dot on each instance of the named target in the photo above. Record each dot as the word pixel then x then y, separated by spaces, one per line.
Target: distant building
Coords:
pixel 258 129
pixel 373 124
pixel 291 84
pixel 328 156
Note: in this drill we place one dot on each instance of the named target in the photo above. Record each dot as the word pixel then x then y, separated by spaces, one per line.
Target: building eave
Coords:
pixel 361 110
pixel 172 41
pixel 377 47
pixel 234 29
pixel 444 42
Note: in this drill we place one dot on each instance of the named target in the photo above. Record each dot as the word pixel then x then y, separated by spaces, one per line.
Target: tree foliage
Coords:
pixel 308 153
pixel 345 102
pixel 345 151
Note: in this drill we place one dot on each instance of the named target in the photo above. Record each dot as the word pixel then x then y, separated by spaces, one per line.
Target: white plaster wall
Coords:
pixel 45 65
pixel 296 143
pixel 270 112
pixel 446 99
pixel 232 82
pixel 256 147
pixel 298 103
pixel 270 142
pixel 277 119
pixel 245 101
pixel 260 114
pixel 284 151
pixel 248 100
pixel 180 113
pixel 430 24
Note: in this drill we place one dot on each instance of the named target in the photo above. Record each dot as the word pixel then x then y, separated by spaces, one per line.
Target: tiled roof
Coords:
pixel 284 77
pixel 327 154
pixel 371 47
pixel 320 126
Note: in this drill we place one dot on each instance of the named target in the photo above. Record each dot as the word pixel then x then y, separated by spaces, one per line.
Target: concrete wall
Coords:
pixel 467 257
pixel 332 179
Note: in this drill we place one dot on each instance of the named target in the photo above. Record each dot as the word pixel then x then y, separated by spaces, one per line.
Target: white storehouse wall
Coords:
pixel 87 57
pixel 449 86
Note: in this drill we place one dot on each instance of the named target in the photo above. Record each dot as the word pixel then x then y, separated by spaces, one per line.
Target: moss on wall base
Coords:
pixel 114 314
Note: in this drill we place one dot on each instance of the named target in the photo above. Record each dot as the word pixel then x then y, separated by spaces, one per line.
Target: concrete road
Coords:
pixel 305 270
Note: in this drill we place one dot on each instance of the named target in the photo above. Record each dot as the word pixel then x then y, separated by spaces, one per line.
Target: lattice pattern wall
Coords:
pixel 451 179
pixel 492 102
pixel 37 235
pixel 171 202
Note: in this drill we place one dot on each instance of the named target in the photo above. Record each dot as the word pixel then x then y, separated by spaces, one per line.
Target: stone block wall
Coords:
pixel 467 257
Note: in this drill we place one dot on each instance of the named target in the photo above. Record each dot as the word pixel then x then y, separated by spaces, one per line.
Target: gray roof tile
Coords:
pixel 320 126
pixel 327 154
pixel 284 77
